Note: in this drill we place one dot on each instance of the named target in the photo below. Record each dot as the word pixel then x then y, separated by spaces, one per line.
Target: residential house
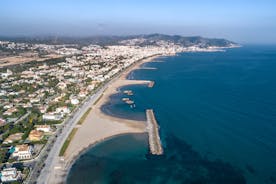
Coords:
pixel 22 152
pixel 7 74
pixel 64 110
pixel 51 117
pixel 75 101
pixel 2 122
pixel 10 111
pixel 12 138
pixel 43 128
pixel 35 135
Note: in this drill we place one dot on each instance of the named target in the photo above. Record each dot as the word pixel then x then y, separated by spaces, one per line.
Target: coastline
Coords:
pixel 59 167
pixel 129 161
pixel 98 126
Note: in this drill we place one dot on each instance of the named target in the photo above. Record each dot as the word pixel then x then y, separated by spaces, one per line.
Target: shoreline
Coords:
pixel 67 171
pixel 98 126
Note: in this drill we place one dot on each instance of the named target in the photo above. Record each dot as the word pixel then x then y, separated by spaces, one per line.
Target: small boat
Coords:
pixel 130 102
pixel 125 99
pixel 128 92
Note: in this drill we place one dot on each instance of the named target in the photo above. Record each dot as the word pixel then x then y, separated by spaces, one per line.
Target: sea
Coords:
pixel 217 118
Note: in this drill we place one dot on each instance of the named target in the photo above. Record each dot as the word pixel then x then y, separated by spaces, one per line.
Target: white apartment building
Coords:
pixel 10 175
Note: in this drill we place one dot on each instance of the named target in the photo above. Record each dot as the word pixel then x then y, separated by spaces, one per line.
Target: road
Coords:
pixel 52 166
pixel 22 118
pixel 53 160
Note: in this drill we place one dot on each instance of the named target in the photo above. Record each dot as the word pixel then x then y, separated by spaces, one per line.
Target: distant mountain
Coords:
pixel 184 41
pixel 141 40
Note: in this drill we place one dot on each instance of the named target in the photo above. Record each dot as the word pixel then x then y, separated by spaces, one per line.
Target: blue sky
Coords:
pixel 244 21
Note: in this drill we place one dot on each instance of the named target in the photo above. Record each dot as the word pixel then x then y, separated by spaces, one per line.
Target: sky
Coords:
pixel 243 21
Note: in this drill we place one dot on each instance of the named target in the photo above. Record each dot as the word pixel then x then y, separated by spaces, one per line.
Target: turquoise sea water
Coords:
pixel 217 113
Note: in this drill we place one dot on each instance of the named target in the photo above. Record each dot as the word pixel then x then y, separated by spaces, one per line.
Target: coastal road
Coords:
pixel 53 163
pixel 53 170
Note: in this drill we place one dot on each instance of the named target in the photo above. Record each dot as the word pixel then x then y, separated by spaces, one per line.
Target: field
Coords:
pixel 14 60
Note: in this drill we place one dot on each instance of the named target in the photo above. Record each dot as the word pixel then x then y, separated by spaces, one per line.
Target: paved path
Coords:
pixel 53 159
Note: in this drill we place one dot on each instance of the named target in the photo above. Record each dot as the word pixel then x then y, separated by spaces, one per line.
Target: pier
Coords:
pixel 153 131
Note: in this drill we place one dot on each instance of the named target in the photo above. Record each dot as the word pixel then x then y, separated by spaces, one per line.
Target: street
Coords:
pixel 53 159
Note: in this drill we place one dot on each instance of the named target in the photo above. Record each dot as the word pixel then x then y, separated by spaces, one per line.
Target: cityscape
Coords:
pixel 137 92
pixel 38 98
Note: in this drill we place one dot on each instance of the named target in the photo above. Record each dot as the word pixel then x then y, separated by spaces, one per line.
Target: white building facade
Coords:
pixel 23 152
pixel 10 175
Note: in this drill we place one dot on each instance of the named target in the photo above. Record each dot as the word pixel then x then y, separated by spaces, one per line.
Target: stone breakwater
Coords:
pixel 153 132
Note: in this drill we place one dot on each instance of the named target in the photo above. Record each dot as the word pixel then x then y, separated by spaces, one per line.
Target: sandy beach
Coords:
pixel 99 126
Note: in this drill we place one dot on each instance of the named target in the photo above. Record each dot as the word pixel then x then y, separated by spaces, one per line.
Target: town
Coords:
pixel 48 83
pixel 37 98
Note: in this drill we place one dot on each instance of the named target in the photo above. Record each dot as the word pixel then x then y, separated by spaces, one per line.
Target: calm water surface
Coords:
pixel 217 113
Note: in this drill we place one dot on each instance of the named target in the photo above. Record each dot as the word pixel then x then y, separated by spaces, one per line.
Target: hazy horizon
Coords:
pixel 242 22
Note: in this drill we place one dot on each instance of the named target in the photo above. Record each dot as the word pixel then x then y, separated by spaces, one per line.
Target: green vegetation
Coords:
pixel 17 114
pixel 72 88
pixel 24 86
pixel 12 160
pixel 98 99
pixel 84 116
pixel 3 155
pixel 49 122
pixel 67 141
pixel 62 102
pixel 88 81
pixel 43 141
pixel 15 182
pixel 25 172
pixel 25 126
pixel 26 66
pixel 52 82
pixel 27 132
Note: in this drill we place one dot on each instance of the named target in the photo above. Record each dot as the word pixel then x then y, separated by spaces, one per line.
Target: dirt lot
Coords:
pixel 13 60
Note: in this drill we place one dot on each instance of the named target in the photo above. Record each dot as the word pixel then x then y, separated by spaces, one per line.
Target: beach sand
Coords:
pixel 99 126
